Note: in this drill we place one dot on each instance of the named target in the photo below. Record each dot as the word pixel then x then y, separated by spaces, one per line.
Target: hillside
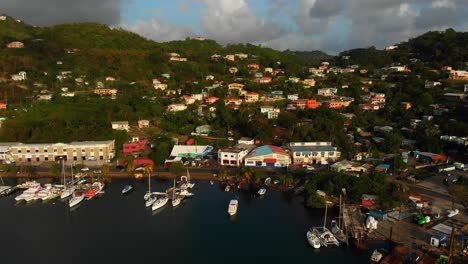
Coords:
pixel 314 57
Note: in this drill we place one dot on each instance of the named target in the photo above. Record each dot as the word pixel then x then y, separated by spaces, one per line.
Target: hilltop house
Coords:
pixel 176 107
pixel 15 45
pixel 111 92
pixel 246 141
pixel 143 124
pixel 458 75
pixel 3 106
pixel 267 156
pixel 327 91
pixel 309 82
pixel 306 103
pixel 233 70
pixel 251 97
pixel 253 66
pixel 313 152
pixel 21 76
pixel 230 57
pixel 133 147
pixel 159 85
pixel 120 125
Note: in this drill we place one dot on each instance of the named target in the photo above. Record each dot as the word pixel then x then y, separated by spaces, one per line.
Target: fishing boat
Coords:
pixel 77 198
pixel 313 239
pixel 186 193
pixel 175 199
pixel 232 208
pixel 376 256
pixel 159 203
pixel 127 188
pixel 96 188
pixel 267 181
pixel 45 193
pixel 227 188
pixel 262 191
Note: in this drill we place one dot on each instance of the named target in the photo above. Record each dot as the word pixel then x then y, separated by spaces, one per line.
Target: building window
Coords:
pixel 46 158
pixel 19 150
pixel 258 163
pixel 331 153
pixel 74 158
pixel 232 156
pixel 28 151
pixel 37 150
pixel 37 159
pixel 55 150
pixel 45 150
pixel 101 157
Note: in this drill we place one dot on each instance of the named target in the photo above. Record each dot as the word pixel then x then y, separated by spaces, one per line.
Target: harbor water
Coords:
pixel 116 228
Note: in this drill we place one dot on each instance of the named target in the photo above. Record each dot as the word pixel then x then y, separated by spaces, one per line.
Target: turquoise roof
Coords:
pixel 266 150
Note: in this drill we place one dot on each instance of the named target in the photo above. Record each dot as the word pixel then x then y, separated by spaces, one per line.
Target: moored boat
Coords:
pixel 127 188
pixel 232 208
pixel 313 239
pixel 77 198
pixel 261 191
pixel 160 202
pixel 227 188
pixel 94 190
pixel 150 201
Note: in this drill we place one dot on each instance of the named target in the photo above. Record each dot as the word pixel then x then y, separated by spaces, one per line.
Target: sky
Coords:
pixel 327 25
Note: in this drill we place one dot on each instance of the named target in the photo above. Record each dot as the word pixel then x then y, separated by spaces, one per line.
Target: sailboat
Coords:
pixel 325 236
pixel 189 184
pixel 127 188
pixel 77 198
pixel 336 227
pixel 68 189
pixel 149 197
pixel 160 203
pixel 175 199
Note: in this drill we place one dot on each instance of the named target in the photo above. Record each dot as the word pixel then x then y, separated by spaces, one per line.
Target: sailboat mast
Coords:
pixel 339 215
pixel 325 218
pixel 149 183
pixel 173 190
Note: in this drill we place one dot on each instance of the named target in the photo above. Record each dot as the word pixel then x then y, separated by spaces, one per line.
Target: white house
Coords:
pixel 120 125
pixel 273 114
pixel 3 18
pixel 327 91
pixel 313 152
pixel 68 94
pixel 232 156
pixel 293 97
pixel 44 97
pixel 209 77
pixel 176 107
pixel 430 84
pixel 21 76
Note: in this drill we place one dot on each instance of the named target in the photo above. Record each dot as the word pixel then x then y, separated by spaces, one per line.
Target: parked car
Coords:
pixel 85 169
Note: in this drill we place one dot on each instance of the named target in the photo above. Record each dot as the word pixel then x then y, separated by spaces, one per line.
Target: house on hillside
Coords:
pixel 309 82
pixel 233 70
pixel 327 91
pixel 3 106
pixel 133 147
pixel 428 157
pixel 15 45
pixel 246 141
pixel 313 153
pixel 20 76
pixel 143 124
pixel 159 85
pixel 120 125
pixel 251 97
pixel 176 107
pixel 110 79
pixel 267 156
pixel 253 66
pixel 230 57
pixel 350 166
pixel 102 91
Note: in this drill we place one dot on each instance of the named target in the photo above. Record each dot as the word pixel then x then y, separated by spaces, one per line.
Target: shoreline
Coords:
pixel 118 175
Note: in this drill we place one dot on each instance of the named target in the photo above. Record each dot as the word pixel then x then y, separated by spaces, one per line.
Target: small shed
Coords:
pixel 438 239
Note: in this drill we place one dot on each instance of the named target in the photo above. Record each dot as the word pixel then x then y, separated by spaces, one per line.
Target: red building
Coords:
pixel 143 162
pixel 3 106
pixel 133 147
pixel 307 103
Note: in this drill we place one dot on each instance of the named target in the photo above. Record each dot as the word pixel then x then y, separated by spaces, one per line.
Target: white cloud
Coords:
pixel 160 31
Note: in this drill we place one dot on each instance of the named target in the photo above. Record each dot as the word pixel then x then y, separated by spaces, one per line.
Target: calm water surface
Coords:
pixel 119 229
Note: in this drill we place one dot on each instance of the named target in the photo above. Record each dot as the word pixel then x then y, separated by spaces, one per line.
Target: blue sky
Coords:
pixel 328 25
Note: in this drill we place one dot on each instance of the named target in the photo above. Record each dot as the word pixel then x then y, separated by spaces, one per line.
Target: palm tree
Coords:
pixel 148 169
pixel 130 165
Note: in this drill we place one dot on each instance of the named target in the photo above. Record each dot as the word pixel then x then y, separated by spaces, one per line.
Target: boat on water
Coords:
pixel 337 232
pixel 175 198
pixel 82 181
pixel 69 189
pixel 160 202
pixel 326 237
pixel 211 182
pixel 313 239
pixel 186 193
pixel 77 198
pixel 150 201
pixel 28 194
pixel 227 188
pixel 45 193
pixel 267 181
pixel 28 184
pixel 232 208
pixel 262 191
pixel 56 193
pixel 127 188
pixel 96 188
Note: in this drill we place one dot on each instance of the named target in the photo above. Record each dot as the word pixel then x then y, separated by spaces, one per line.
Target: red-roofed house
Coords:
pixel 133 147
pixel 254 66
pixel 3 106
pixel 267 156
pixel 211 99
pixel 307 103
pixel 265 79
pixel 15 45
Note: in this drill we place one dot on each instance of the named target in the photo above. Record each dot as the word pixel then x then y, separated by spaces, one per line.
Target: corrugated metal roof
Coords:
pixel 265 150
pixel 312 148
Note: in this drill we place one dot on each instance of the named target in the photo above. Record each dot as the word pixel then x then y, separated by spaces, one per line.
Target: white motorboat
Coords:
pixel 312 238
pixel 150 201
pixel 267 181
pixel 189 184
pixel 232 208
pixel 185 193
pixel 28 184
pixel 45 193
pixel 262 191
pixel 326 237
pixel 28 194
pixel 77 198
pixel 227 188
pixel 159 203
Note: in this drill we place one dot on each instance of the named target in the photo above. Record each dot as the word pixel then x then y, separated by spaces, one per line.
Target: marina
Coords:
pixel 251 229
